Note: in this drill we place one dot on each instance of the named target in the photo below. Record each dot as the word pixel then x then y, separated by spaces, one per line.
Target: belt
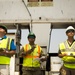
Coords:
pixel 31 68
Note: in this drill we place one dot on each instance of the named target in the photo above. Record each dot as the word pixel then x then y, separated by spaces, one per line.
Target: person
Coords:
pixel 32 55
pixel 67 53
pixel 7 49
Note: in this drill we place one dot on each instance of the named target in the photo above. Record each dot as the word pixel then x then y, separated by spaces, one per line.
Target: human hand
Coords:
pixel 23 54
pixel 33 47
pixel 43 58
pixel 2 52
pixel 65 54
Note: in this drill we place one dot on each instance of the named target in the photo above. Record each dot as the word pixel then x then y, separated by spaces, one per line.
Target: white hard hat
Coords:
pixel 70 28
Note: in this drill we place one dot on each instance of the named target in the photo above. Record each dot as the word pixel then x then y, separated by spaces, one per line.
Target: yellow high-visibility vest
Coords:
pixel 69 61
pixel 30 59
pixel 3 44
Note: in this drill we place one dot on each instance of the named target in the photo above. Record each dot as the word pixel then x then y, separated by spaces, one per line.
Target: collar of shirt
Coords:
pixel 4 37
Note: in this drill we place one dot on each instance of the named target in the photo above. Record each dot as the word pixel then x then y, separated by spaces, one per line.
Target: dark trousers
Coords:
pixel 67 71
pixel 31 71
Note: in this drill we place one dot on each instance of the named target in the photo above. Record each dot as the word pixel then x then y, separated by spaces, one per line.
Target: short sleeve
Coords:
pixel 12 46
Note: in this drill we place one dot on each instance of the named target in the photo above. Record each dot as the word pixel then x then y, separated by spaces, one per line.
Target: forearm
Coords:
pixel 26 53
pixel 10 52
pixel 62 55
pixel 7 53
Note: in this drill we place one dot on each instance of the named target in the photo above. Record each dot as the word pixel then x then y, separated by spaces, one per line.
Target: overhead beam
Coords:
pixel 39 20
pixel 13 25
pixel 57 23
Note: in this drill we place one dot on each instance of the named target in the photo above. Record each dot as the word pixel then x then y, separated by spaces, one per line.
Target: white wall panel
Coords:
pixel 15 9
pixel 56 64
pixel 42 33
pixel 60 9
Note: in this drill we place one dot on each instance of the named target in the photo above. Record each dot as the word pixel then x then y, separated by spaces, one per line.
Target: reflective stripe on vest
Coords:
pixel 29 56
pixel 69 62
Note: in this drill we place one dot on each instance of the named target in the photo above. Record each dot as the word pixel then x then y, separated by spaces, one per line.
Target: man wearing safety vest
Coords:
pixel 67 53
pixel 7 49
pixel 31 54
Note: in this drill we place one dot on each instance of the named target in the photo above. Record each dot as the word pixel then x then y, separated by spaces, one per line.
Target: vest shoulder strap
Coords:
pixel 8 41
pixel 72 47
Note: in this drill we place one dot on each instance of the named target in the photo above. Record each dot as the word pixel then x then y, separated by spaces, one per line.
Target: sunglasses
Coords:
pixel 70 31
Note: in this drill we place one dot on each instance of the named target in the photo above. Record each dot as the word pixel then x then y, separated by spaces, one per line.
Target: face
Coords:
pixel 70 33
pixel 31 40
pixel 2 32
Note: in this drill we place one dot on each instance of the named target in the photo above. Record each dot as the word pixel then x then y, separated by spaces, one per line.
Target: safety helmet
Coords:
pixel 69 28
pixel 3 27
pixel 31 35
